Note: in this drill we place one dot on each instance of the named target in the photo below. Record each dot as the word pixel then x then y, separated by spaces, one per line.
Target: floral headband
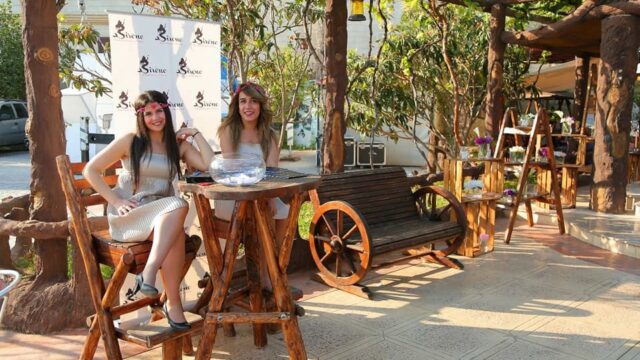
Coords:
pixel 249 84
pixel 141 108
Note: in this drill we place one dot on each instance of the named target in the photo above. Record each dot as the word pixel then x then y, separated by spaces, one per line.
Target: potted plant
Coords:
pixel 554 120
pixel 526 120
pixel 473 188
pixel 567 125
pixel 484 146
pixel 559 156
pixel 543 155
pixel 508 195
pixel 516 154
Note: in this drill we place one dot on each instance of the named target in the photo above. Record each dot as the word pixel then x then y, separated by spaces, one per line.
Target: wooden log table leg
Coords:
pixel 569 187
pixel 252 259
pixel 220 281
pixel 290 328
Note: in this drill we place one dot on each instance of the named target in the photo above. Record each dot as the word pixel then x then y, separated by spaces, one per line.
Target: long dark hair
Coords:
pixel 141 144
pixel 233 121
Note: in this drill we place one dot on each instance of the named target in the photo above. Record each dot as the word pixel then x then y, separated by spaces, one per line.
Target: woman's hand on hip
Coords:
pixel 124 206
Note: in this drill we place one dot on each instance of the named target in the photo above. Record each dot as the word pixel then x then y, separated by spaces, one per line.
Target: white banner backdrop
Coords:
pixel 182 59
pixel 178 57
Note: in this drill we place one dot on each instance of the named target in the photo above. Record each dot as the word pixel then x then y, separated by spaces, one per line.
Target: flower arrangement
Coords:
pixel 482 140
pixel 483 144
pixel 567 124
pixel 509 192
pixel 484 242
pixel 526 120
pixel 559 156
pixel 473 186
pixel 543 154
pixel 555 116
pixel 516 154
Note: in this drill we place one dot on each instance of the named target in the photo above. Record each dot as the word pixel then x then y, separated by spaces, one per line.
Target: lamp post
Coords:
pixel 357 11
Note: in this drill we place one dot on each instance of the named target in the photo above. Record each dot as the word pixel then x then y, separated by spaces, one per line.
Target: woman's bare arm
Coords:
pixel 197 158
pixel 115 151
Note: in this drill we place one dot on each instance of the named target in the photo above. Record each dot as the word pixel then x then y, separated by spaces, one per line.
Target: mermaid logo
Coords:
pixel 182 64
pixel 119 30
pixel 201 103
pixel 121 34
pixel 200 40
pixel 124 100
pixel 171 103
pixel 144 62
pixel 161 32
pixel 199 98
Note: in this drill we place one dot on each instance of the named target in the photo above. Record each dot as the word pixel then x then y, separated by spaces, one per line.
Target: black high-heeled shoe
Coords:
pixel 175 325
pixel 146 289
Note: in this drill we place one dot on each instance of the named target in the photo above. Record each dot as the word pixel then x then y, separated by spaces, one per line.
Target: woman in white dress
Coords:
pixel 143 205
pixel 247 129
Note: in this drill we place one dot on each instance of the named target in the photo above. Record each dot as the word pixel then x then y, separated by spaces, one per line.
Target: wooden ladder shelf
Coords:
pixel 551 195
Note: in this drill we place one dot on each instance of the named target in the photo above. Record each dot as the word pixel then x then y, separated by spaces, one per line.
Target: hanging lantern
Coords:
pixel 357 11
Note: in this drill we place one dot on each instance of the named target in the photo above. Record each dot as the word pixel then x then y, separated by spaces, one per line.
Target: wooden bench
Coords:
pixel 361 214
pixel 97 247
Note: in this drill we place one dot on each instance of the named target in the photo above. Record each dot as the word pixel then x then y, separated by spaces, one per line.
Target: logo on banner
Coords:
pixel 122 34
pixel 162 37
pixel 201 102
pixel 200 40
pixel 148 70
pixel 124 103
pixel 184 69
pixel 171 103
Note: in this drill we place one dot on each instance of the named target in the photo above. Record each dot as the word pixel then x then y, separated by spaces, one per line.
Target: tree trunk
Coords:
pixel 432 155
pixel 580 89
pixel 495 67
pixel 336 85
pixel 47 303
pixel 616 78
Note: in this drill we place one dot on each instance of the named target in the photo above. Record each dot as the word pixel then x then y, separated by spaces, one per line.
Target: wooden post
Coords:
pixel 335 43
pixel 495 96
pixel 580 89
pixel 616 78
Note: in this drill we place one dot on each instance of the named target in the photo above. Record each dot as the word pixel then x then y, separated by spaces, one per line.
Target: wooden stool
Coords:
pixel 97 247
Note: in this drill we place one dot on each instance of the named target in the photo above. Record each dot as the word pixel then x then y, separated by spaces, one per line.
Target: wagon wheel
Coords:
pixel 339 242
pixel 437 204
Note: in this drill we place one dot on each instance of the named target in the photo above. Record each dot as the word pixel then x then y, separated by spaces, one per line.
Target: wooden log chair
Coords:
pixel 97 247
pixel 364 213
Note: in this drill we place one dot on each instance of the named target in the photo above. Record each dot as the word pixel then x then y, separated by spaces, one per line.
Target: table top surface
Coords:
pixel 264 189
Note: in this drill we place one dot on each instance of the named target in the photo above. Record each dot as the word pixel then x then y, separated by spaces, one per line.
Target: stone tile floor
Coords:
pixel 544 296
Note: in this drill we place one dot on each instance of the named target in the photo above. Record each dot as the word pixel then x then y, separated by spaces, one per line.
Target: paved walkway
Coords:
pixel 542 297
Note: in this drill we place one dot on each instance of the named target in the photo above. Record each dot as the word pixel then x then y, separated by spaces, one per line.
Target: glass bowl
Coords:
pixel 235 169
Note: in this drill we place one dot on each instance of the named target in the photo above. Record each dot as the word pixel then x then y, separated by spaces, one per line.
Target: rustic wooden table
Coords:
pixel 251 209
pixel 480 208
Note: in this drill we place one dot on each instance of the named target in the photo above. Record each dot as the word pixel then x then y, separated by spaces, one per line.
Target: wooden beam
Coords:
pixel 588 11
pixel 486 6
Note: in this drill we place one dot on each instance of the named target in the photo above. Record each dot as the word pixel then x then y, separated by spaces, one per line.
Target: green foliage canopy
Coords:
pixel 413 53
pixel 11 54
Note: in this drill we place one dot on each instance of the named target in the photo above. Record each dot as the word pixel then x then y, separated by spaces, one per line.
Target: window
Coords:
pixel 6 112
pixel 21 110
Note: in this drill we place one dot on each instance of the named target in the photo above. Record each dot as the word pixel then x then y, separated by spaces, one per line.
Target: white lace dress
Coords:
pixel 156 195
